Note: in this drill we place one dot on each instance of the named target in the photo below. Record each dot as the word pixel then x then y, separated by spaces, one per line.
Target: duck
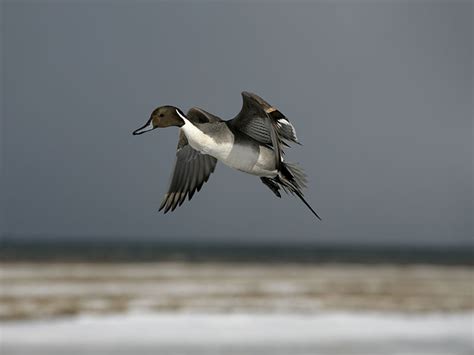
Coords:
pixel 252 142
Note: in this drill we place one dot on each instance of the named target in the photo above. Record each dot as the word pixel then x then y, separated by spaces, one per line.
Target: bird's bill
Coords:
pixel 147 127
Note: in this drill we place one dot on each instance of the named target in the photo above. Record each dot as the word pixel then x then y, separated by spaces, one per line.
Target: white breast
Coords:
pixel 237 156
pixel 204 143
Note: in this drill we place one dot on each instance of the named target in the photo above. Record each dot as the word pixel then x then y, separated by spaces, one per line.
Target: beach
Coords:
pixel 235 308
pixel 327 333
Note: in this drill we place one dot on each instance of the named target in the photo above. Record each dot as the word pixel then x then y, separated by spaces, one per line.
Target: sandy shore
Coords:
pixel 44 290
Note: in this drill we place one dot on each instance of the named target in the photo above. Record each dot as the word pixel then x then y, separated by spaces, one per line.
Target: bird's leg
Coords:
pixel 272 185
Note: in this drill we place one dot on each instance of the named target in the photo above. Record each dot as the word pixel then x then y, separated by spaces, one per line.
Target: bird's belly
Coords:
pixel 248 158
pixel 243 155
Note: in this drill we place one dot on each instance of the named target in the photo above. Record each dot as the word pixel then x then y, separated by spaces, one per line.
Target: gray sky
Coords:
pixel 380 94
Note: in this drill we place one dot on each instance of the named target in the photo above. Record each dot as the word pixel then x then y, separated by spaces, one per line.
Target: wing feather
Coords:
pixel 264 123
pixel 192 169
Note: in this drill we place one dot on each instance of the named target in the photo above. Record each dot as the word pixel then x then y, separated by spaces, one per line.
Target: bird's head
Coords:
pixel 164 116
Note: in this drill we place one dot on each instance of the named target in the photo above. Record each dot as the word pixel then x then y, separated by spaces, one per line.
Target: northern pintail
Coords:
pixel 251 142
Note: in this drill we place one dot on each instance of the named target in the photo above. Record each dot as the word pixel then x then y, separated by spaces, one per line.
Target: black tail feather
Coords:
pixel 292 180
pixel 300 195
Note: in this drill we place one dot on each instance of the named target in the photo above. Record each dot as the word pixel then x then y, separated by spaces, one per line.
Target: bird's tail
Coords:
pixel 293 180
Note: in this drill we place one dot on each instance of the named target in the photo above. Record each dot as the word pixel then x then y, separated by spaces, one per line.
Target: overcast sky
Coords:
pixel 380 93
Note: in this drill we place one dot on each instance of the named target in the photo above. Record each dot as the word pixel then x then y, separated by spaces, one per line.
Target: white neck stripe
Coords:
pixel 182 116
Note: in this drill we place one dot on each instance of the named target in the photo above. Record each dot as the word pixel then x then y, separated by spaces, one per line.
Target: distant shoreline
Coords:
pixel 88 250
pixel 55 289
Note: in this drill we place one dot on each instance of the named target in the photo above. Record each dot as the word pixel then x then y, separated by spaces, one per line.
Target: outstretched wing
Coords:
pixel 192 169
pixel 264 123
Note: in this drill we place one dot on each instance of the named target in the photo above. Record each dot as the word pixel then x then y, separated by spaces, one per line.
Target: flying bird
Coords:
pixel 251 142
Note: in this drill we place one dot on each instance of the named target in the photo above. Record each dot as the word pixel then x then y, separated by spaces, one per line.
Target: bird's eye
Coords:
pixel 161 115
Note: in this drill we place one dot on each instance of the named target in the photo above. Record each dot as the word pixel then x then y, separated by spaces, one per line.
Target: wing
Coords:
pixel 198 115
pixel 264 123
pixel 192 169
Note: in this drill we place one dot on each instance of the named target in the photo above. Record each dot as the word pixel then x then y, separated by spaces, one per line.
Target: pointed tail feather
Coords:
pixel 295 174
pixel 292 179
pixel 300 195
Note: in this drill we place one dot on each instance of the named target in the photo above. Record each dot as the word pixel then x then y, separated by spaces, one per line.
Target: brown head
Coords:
pixel 164 116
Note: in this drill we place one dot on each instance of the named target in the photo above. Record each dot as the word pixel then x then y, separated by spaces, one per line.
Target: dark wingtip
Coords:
pixel 163 203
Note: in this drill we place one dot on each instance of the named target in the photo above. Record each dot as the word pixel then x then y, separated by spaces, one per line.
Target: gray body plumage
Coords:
pixel 235 150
